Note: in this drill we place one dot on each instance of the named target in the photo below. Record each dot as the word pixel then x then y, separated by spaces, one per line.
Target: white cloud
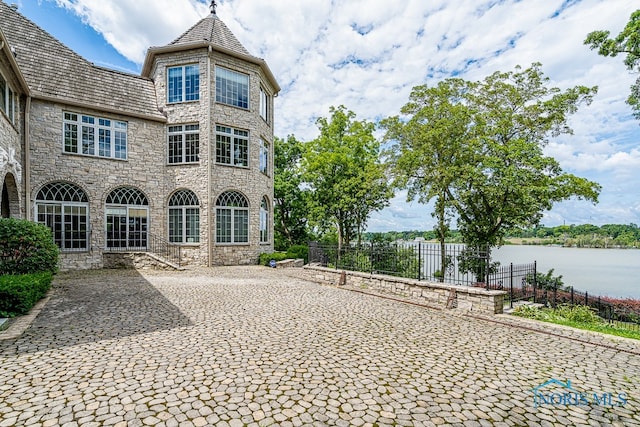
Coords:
pixel 368 54
pixel 133 26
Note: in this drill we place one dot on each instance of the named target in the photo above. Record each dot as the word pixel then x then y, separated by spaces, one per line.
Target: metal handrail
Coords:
pixel 155 245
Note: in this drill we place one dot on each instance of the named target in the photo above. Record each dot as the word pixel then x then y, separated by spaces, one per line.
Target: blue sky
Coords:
pixel 368 54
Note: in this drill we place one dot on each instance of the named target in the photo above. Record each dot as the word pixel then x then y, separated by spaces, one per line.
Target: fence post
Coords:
pixel 586 298
pixel 487 255
pixel 555 295
pixel 419 260
pixel 535 278
pixel 511 285
pixel 572 295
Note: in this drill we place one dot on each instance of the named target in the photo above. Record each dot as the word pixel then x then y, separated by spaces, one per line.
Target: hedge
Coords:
pixel 18 293
pixel 26 247
pixel 294 252
pixel 276 256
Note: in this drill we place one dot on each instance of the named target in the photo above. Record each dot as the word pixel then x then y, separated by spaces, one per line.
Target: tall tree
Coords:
pixel 627 42
pixel 289 195
pixel 477 148
pixel 343 171
pixel 429 150
pixel 511 182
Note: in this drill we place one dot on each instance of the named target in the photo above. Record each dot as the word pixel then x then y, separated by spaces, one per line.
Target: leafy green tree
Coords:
pixel 509 181
pixel 429 152
pixel 290 197
pixel 345 176
pixel 627 42
pixel 477 147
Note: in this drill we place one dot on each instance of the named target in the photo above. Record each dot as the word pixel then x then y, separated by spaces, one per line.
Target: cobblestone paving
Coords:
pixel 250 346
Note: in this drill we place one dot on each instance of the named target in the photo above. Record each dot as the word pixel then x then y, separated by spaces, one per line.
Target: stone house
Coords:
pixel 176 161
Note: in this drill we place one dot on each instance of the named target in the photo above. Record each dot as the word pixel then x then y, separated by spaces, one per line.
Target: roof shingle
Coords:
pixel 212 30
pixel 54 71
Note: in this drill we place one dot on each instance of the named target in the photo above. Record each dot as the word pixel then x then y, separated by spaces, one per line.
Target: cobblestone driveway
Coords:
pixel 250 346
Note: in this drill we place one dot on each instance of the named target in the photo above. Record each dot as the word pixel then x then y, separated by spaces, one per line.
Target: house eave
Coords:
pixel 153 51
pixel 77 104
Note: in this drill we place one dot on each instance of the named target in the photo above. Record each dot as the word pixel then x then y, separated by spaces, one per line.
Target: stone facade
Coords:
pixel 148 115
pixel 11 147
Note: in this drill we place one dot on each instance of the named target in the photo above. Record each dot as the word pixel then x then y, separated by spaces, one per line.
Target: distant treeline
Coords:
pixel 586 235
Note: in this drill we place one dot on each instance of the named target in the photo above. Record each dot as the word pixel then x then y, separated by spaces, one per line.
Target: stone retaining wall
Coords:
pixel 438 295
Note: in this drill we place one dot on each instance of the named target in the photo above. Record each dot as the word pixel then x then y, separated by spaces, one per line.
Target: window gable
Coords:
pixel 232 218
pixel 232 146
pixel 232 88
pixel 264 104
pixel 8 100
pixel 264 156
pixel 184 143
pixel 264 220
pixel 94 136
pixel 64 208
pixel 184 217
pixel 183 83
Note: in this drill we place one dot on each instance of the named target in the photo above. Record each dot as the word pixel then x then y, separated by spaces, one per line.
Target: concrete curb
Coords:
pixel 20 324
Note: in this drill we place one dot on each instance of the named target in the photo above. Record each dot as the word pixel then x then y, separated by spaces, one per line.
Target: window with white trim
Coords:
pixel 232 88
pixel 184 143
pixel 264 105
pixel 64 208
pixel 127 218
pixel 264 156
pixel 8 100
pixel 183 83
pixel 232 146
pixel 184 217
pixel 232 218
pixel 94 136
pixel 264 220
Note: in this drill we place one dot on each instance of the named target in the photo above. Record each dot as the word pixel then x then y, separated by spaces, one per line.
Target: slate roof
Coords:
pixel 55 72
pixel 212 30
pixel 8 58
pixel 209 31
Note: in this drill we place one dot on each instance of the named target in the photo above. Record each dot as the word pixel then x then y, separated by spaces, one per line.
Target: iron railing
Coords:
pixel 457 264
pixel 424 261
pixel 153 244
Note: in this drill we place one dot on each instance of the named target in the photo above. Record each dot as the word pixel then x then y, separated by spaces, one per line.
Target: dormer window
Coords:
pixel 183 84
pixel 232 88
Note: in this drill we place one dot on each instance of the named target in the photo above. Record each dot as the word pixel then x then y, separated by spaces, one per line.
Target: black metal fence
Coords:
pixel 161 247
pixel 456 264
pixel 613 313
pixel 459 265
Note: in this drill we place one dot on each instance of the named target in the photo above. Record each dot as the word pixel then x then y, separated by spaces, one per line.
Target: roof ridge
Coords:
pixel 213 30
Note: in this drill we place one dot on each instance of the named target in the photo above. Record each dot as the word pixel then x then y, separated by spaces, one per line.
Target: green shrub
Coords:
pixel 299 251
pixel 530 312
pixel 19 293
pixel 276 256
pixel 578 313
pixel 26 247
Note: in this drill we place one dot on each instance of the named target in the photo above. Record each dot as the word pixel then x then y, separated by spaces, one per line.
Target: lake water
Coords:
pixel 612 272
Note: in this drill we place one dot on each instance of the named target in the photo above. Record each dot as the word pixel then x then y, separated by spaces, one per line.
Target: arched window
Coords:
pixel 264 220
pixel 127 211
pixel 184 217
pixel 64 208
pixel 232 218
